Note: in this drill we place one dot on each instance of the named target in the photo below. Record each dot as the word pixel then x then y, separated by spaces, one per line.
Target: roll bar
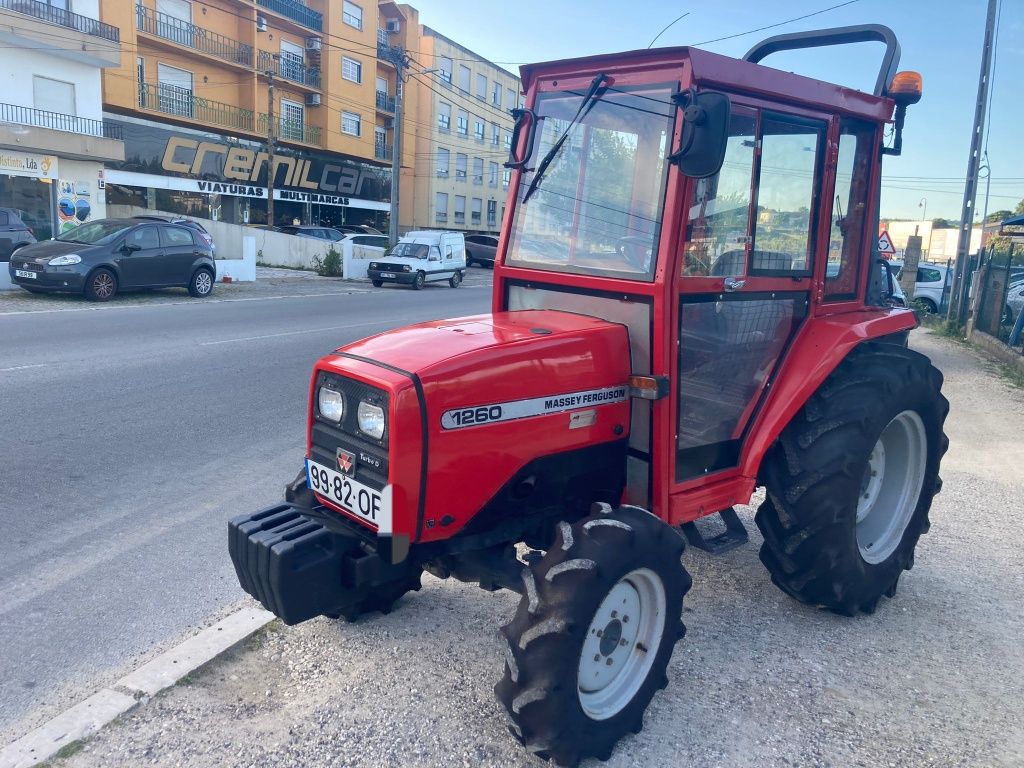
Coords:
pixel 816 38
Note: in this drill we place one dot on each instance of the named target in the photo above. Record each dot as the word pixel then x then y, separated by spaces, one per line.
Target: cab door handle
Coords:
pixel 731 284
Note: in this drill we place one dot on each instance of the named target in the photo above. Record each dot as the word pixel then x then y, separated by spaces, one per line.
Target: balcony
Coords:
pixel 383 151
pixel 54 15
pixel 291 130
pixel 181 102
pixel 57 121
pixel 295 11
pixel 385 103
pixel 383 45
pixel 288 68
pixel 189 35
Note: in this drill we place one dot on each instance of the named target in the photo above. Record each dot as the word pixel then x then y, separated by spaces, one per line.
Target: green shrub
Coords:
pixel 329 265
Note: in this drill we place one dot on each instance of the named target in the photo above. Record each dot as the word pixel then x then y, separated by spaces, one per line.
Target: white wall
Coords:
pixel 17 65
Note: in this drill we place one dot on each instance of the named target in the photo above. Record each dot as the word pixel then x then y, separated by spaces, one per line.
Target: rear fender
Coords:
pixel 818 350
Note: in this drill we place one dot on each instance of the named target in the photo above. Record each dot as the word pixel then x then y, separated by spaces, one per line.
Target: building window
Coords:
pixel 53 95
pixel 492 213
pixel 444 116
pixel 510 98
pixel 174 91
pixel 460 166
pixel 351 69
pixel 478 170
pixel 496 95
pixel 476 205
pixel 352 15
pixel 481 87
pixel 351 123
pixel 506 178
pixel 443 158
pixel 460 209
pixel 495 134
pixel 478 129
pixel 464 77
pixel 293 120
pixel 445 67
pixel 463 122
pixel 494 174
pixel 441 206
pixel 508 140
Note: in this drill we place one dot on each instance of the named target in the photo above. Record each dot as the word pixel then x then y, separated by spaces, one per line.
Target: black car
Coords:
pixel 100 258
pixel 14 233
pixel 481 249
pixel 193 225
pixel 318 233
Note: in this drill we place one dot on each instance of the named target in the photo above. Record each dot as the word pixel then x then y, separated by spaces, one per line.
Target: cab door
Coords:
pixel 744 287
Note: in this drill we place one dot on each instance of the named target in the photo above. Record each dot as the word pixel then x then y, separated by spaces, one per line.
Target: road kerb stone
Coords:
pixel 88 716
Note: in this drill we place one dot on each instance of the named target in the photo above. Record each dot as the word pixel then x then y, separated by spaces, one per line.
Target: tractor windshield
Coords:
pixel 597 209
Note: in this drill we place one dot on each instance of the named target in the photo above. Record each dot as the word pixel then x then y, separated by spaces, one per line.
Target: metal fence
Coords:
pixel 183 33
pixel 999 306
pixel 181 102
pixel 55 15
pixel 295 11
pixel 58 121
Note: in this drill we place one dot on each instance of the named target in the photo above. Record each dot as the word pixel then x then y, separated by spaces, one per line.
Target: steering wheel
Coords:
pixel 635 251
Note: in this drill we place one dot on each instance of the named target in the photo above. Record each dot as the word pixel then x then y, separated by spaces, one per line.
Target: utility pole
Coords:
pixel 270 146
pixel 973 162
pixel 396 56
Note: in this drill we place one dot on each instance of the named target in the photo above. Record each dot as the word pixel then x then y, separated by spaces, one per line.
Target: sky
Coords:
pixel 941 39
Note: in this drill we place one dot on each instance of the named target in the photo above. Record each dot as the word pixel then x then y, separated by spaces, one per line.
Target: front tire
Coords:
pixel 201 284
pixel 377 283
pixel 851 480
pixel 455 280
pixel 419 281
pixel 591 640
pixel 101 285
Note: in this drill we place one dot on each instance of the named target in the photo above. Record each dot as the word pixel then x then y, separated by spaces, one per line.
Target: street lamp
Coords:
pixel 923 204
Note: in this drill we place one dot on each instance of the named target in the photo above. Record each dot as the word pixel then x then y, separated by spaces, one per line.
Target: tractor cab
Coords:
pixel 712 206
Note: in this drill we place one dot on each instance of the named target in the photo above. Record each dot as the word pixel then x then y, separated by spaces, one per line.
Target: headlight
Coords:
pixel 331 404
pixel 373 265
pixel 371 420
pixel 63 261
pixel 407 268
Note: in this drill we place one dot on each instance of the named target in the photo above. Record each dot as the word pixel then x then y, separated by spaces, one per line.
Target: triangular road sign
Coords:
pixel 885 245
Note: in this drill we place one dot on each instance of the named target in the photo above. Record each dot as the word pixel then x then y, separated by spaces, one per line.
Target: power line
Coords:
pixel 778 24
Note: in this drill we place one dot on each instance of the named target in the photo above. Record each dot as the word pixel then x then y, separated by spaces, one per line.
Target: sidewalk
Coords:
pixel 933 678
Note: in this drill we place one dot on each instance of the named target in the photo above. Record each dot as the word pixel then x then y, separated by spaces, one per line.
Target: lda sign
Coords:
pixel 235 163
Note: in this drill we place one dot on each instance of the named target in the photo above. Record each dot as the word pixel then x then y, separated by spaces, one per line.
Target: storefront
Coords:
pixel 51 194
pixel 213 176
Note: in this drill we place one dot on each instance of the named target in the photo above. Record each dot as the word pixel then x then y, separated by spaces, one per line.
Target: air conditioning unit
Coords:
pixel 392 25
pixel 313 44
pixel 261 23
pixel 312 99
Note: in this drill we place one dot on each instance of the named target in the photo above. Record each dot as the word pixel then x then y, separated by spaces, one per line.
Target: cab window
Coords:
pixel 849 209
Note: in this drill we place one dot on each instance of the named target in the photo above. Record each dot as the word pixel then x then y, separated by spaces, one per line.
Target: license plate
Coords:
pixel 388 274
pixel 364 502
pixel 23 273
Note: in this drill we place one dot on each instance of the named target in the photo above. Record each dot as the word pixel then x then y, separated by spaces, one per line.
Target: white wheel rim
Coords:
pixel 203 282
pixel 891 486
pixel 621 644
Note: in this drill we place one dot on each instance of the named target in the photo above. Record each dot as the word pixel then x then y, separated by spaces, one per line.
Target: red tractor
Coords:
pixel 688 304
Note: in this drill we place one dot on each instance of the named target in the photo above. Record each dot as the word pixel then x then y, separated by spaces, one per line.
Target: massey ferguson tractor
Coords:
pixel 688 304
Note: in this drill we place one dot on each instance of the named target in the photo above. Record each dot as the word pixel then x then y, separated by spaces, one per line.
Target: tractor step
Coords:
pixel 734 535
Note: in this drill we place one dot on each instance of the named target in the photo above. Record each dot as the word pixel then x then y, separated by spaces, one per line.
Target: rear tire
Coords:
pixel 201 284
pixel 851 479
pixel 455 280
pixel 578 673
pixel 928 305
pixel 101 285
pixel 419 281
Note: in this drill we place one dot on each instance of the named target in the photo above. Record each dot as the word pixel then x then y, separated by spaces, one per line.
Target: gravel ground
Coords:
pixel 933 678
pixel 270 281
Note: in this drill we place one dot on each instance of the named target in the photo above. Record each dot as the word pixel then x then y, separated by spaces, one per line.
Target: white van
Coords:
pixel 422 257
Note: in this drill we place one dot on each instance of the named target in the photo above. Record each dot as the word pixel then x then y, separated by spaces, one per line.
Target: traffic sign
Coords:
pixel 885 246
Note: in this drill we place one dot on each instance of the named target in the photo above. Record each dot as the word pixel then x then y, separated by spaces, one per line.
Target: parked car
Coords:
pixel 481 249
pixel 319 233
pixel 357 229
pixel 101 258
pixel 374 241
pixel 193 225
pixel 931 279
pixel 422 257
pixel 14 233
pixel 1014 301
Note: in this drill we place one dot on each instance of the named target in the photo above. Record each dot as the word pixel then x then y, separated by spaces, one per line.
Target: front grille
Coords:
pixel 371 456
pixel 385 267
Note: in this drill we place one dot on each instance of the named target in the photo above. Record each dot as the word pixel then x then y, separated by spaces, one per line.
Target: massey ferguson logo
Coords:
pixel 346 461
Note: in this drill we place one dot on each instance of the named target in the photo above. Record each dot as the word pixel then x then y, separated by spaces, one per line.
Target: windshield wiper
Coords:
pixel 597 88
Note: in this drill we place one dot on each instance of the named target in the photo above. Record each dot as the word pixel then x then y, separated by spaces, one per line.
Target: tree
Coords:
pixel 999 215
pixel 1019 208
pixel 944 224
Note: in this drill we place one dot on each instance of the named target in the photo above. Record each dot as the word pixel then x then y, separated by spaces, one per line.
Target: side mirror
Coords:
pixel 705 133
pixel 129 248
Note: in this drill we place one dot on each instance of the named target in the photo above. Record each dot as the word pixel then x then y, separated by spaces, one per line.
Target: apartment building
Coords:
pixel 53 140
pixel 193 100
pixel 464 137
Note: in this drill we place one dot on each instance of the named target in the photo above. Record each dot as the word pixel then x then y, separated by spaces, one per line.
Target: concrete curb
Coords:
pixel 88 716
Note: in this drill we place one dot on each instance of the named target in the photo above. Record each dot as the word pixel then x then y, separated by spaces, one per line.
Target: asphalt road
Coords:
pixel 130 435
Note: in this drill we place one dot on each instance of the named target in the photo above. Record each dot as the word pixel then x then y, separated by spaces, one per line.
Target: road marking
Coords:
pixel 22 367
pixel 293 333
